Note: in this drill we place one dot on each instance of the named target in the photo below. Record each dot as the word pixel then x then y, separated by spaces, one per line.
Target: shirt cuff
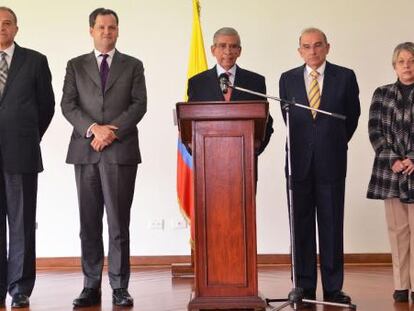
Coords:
pixel 89 132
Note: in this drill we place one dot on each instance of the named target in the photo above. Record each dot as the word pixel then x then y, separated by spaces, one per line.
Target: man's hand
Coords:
pixel 104 133
pixel 98 145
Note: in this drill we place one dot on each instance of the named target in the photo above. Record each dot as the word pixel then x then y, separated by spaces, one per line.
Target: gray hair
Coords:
pixel 226 31
pixel 313 30
pixel 5 8
pixel 405 46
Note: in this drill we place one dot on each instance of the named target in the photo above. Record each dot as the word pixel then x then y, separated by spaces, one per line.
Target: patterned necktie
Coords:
pixel 3 72
pixel 104 71
pixel 227 96
pixel 314 92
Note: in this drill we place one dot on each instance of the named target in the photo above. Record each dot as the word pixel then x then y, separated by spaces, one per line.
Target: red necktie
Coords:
pixel 227 96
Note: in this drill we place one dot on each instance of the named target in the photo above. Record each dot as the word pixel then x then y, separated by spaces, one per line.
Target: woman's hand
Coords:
pixel 409 166
pixel 398 166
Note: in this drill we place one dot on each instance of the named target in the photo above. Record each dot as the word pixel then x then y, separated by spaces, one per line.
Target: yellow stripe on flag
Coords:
pixel 197 61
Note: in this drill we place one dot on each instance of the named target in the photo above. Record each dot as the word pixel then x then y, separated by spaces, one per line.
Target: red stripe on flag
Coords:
pixel 185 190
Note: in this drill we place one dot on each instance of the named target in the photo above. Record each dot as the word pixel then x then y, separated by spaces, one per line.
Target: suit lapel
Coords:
pixel 91 68
pixel 214 82
pixel 18 59
pixel 238 81
pixel 300 86
pixel 300 91
pixel 116 69
pixel 329 82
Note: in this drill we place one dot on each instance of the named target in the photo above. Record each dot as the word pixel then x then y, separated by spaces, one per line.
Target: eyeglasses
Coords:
pixel 407 62
pixel 223 46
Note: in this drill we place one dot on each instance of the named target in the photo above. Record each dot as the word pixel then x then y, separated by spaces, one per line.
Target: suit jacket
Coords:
pixel 206 87
pixel 26 109
pixel 323 139
pixel 123 104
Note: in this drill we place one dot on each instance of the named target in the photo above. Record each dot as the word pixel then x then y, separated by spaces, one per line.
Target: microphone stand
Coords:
pixel 286 102
pixel 295 296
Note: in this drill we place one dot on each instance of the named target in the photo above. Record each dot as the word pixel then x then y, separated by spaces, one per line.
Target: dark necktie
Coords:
pixel 104 71
pixel 3 72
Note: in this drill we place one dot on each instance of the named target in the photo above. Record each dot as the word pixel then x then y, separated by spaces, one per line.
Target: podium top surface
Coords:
pixel 189 112
pixel 219 110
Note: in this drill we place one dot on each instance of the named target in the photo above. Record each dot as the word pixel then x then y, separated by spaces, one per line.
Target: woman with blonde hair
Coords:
pixel 391 129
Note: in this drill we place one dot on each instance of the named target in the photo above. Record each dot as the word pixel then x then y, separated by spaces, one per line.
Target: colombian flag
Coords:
pixel 197 63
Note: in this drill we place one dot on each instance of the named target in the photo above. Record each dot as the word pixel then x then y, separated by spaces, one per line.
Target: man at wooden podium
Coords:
pixel 205 86
pixel 225 219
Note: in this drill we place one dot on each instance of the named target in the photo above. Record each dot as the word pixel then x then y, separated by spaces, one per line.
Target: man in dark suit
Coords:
pixel 205 86
pixel 104 98
pixel 26 109
pixel 319 146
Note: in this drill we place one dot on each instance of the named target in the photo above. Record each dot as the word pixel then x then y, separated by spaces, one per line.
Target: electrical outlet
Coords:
pixel 156 224
pixel 178 223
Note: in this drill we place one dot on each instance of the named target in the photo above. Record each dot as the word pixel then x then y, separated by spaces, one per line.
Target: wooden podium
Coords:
pixel 223 137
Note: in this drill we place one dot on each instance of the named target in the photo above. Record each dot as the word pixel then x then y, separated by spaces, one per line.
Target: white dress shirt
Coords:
pixel 309 78
pixel 9 54
pixel 232 72
pixel 99 57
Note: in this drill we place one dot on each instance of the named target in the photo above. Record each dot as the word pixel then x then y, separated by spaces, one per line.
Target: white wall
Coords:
pixel 362 35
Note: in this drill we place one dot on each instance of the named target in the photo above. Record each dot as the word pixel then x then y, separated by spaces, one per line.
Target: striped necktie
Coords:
pixel 314 93
pixel 3 72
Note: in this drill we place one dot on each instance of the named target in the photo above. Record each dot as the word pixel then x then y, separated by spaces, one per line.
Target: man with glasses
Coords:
pixel 205 86
pixel 319 146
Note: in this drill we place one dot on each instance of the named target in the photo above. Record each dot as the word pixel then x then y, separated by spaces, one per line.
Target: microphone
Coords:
pixel 224 82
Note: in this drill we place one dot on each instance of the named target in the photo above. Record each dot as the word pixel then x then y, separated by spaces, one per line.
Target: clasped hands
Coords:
pixel 405 166
pixel 104 135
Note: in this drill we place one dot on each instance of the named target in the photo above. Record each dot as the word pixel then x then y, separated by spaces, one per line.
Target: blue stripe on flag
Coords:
pixel 187 158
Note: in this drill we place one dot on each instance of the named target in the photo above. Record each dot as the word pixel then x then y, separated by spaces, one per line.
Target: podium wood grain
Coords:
pixel 223 142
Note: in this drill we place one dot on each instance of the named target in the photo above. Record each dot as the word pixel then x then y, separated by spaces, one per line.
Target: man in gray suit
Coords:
pixel 104 98
pixel 26 108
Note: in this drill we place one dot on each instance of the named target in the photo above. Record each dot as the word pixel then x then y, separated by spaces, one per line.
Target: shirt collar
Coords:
pixel 221 70
pixel 10 50
pixel 320 69
pixel 110 53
